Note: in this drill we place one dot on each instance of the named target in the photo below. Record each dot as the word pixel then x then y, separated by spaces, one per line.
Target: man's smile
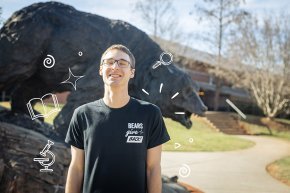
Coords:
pixel 115 75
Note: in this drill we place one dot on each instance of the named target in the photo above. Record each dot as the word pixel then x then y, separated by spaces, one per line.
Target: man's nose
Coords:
pixel 115 65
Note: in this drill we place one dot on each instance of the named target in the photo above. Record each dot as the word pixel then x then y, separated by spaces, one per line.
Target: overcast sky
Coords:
pixel 123 10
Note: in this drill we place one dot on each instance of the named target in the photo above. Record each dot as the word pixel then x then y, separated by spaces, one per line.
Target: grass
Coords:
pixel 286 121
pixel 280 169
pixel 254 126
pixel 204 138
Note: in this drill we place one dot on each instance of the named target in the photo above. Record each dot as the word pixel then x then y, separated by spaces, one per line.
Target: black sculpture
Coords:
pixel 61 31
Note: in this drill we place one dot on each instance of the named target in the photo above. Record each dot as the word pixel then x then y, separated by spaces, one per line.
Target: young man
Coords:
pixel 116 141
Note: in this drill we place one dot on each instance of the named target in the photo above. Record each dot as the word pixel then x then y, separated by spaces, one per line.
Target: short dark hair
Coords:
pixel 123 49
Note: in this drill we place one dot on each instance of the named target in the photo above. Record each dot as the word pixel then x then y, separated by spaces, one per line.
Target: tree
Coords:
pixel 220 15
pixel 160 17
pixel 1 15
pixel 262 50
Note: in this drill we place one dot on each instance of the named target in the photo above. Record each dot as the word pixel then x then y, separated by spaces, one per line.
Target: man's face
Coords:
pixel 114 75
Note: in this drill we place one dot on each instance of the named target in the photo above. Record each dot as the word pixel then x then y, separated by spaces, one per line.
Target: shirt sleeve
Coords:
pixel 158 133
pixel 74 134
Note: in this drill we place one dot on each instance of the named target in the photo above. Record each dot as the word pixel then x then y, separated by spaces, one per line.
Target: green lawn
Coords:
pixel 253 127
pixel 199 138
pixel 280 169
pixel 283 120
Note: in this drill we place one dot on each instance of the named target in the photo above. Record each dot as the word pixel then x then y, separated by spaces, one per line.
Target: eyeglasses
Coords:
pixel 121 63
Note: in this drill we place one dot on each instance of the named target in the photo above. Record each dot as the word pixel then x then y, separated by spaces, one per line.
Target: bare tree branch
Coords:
pixel 221 14
pixel 262 52
pixel 160 16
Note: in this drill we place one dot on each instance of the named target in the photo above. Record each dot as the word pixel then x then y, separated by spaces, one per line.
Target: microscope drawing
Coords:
pixel 45 161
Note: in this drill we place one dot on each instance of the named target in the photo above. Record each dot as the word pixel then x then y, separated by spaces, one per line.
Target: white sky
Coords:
pixel 123 10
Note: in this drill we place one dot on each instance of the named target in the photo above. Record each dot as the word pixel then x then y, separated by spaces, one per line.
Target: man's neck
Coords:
pixel 116 98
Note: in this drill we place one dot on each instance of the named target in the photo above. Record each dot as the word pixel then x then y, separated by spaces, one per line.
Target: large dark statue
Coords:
pixel 76 39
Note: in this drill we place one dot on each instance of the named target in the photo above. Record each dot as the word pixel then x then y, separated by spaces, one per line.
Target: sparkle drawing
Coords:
pixel 175 95
pixel 145 91
pixel 45 161
pixel 72 79
pixel 162 62
pixel 179 113
pixel 160 89
pixel 49 61
pixel 236 108
pixel 46 112
pixel 184 171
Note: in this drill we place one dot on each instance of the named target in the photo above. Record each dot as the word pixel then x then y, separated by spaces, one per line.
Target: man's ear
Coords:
pixel 132 73
pixel 100 70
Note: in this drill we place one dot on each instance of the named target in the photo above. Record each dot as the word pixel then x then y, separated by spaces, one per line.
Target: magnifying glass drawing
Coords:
pixel 162 62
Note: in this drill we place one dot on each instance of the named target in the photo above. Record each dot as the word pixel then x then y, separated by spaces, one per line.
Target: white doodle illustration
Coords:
pixel 179 113
pixel 184 171
pixel 176 145
pixel 44 106
pixel 45 161
pixel 175 95
pixel 160 89
pixel 190 140
pixel 236 109
pixel 72 79
pixel 162 62
pixel 145 91
pixel 49 61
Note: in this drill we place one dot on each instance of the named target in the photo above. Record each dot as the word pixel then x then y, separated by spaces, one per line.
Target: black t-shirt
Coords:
pixel 115 141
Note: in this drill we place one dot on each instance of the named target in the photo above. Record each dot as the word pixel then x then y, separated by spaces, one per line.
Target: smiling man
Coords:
pixel 116 141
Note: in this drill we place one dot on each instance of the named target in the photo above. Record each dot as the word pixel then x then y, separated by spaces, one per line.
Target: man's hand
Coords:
pixel 154 184
pixel 76 171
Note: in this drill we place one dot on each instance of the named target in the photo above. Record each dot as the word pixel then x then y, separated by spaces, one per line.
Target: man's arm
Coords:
pixel 76 171
pixel 154 184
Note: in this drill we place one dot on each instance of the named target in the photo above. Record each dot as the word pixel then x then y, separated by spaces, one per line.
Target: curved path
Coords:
pixel 241 171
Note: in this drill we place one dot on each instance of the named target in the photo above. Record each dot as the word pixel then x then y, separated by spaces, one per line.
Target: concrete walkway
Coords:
pixel 242 171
